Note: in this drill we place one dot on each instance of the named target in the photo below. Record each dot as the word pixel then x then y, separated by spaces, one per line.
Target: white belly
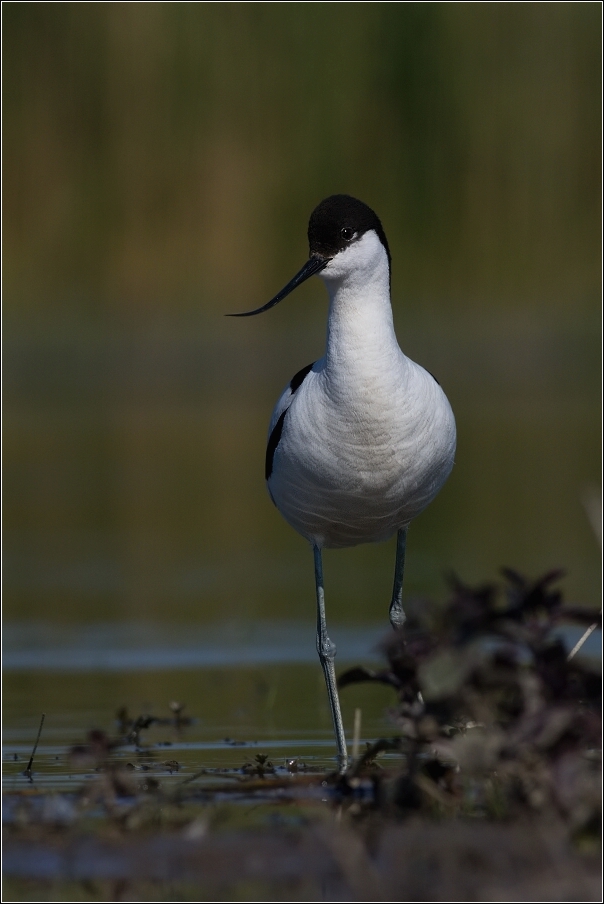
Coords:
pixel 353 465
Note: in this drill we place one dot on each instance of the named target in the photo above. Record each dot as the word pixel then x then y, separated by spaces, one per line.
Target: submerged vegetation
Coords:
pixel 493 792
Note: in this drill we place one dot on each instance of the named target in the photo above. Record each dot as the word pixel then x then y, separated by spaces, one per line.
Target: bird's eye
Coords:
pixel 347 233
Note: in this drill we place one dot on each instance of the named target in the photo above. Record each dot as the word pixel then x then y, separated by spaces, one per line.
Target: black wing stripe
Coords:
pixel 273 442
pixel 297 380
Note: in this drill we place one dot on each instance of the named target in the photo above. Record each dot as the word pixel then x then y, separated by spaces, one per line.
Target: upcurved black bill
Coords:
pixel 312 266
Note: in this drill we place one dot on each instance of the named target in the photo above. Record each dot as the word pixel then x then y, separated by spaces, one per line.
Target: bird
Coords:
pixel 361 440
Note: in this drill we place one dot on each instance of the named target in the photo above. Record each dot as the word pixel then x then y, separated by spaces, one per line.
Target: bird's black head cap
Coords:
pixel 334 225
pixel 338 221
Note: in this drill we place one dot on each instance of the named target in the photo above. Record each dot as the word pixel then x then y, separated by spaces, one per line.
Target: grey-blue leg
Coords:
pixel 327 653
pixel 397 615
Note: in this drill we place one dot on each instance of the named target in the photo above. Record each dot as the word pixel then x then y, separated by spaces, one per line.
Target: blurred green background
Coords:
pixel 160 164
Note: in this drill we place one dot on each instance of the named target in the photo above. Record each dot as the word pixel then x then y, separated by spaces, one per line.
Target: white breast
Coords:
pixel 346 473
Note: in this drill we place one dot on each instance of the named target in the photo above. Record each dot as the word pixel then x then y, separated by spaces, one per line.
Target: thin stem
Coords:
pixel 27 771
pixel 581 641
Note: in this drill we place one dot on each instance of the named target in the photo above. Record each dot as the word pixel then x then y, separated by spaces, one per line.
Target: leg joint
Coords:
pixel 326 648
pixel 397 615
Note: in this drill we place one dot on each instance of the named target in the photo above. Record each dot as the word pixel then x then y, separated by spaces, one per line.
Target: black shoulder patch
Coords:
pixel 297 380
pixel 273 442
pixel 433 377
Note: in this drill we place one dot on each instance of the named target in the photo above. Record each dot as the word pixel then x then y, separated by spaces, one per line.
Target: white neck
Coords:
pixel 360 330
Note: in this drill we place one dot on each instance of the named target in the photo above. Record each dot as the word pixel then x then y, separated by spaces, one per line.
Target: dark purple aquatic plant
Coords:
pixel 494 717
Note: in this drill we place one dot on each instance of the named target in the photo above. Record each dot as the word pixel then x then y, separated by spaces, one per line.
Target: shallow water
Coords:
pixel 248 688
pixel 134 647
